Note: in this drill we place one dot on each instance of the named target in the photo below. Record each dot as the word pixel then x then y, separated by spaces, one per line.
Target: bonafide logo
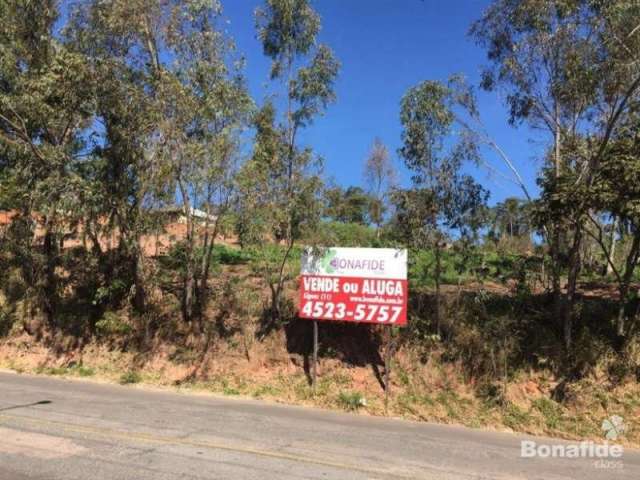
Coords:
pixel 371 265
pixel 604 455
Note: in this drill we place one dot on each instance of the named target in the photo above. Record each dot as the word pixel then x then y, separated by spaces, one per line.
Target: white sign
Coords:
pixel 356 262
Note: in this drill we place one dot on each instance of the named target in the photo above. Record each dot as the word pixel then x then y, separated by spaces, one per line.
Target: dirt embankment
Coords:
pixel 428 389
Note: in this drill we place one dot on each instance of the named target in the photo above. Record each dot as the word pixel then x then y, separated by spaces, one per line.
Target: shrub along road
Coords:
pixel 57 429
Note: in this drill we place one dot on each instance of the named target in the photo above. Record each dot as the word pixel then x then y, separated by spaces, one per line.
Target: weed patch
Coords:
pixel 130 377
pixel 351 401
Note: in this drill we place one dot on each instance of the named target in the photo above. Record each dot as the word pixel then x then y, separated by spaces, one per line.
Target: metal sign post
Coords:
pixel 315 355
pixel 387 369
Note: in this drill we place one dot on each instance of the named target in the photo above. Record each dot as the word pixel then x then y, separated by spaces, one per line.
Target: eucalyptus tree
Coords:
pixel 205 105
pixel 257 215
pixel 448 199
pixel 288 30
pixel 532 46
pixel 122 40
pixel 511 218
pixel 350 205
pixel 616 189
pixel 173 102
pixel 381 177
pixel 612 164
pixel 570 69
pixel 47 104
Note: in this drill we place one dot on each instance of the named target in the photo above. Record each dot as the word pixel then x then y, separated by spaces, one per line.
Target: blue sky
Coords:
pixel 385 47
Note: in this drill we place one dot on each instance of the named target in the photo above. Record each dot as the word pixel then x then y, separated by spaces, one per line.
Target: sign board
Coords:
pixel 362 285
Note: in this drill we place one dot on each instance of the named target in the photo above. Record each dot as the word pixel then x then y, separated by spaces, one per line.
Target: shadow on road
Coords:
pixel 42 402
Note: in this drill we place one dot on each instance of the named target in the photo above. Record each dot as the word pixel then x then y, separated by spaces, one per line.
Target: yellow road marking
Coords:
pixel 168 440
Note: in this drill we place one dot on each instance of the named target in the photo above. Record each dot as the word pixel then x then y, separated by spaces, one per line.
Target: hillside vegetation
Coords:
pixel 117 116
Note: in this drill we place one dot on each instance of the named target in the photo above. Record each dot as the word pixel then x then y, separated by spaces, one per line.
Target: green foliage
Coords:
pixel 7 320
pixel 519 36
pixel 280 185
pixel 105 294
pixel 348 206
pixel 78 369
pixel 130 377
pixel 465 264
pixel 550 410
pixel 266 391
pixel 286 29
pixel 442 196
pixel 85 371
pixel 426 116
pixel 560 69
pixel 510 218
pixel 347 235
pixel 224 255
pixel 514 417
pixel 58 371
pixel 265 261
pixel 422 265
pixel 46 105
pixel 227 390
pixel 111 324
pixel 351 401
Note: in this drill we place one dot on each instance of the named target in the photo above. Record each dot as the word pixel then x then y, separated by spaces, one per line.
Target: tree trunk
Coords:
pixel 51 282
pixel 205 267
pixel 187 294
pixel 140 295
pixel 625 285
pixel 575 263
pixel 276 292
pixel 622 304
pixel 275 303
pixel 438 273
pixel 189 280
pixel 556 243
pixel 556 271
pixel 612 250
pixel 556 142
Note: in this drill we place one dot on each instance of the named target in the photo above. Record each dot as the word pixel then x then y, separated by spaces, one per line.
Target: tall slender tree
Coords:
pixel 451 199
pixel 307 71
pixel 380 177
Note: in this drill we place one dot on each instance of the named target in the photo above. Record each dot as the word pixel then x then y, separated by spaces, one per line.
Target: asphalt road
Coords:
pixel 52 429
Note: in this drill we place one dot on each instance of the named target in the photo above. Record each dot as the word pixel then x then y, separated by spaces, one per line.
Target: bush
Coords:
pixel 422 267
pixel 130 377
pixel 348 235
pixel 85 371
pixel 111 324
pixel 351 401
pixel 106 294
pixel 550 410
pixel 224 255
pixel 515 418
pixel 6 321
pixel 51 370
